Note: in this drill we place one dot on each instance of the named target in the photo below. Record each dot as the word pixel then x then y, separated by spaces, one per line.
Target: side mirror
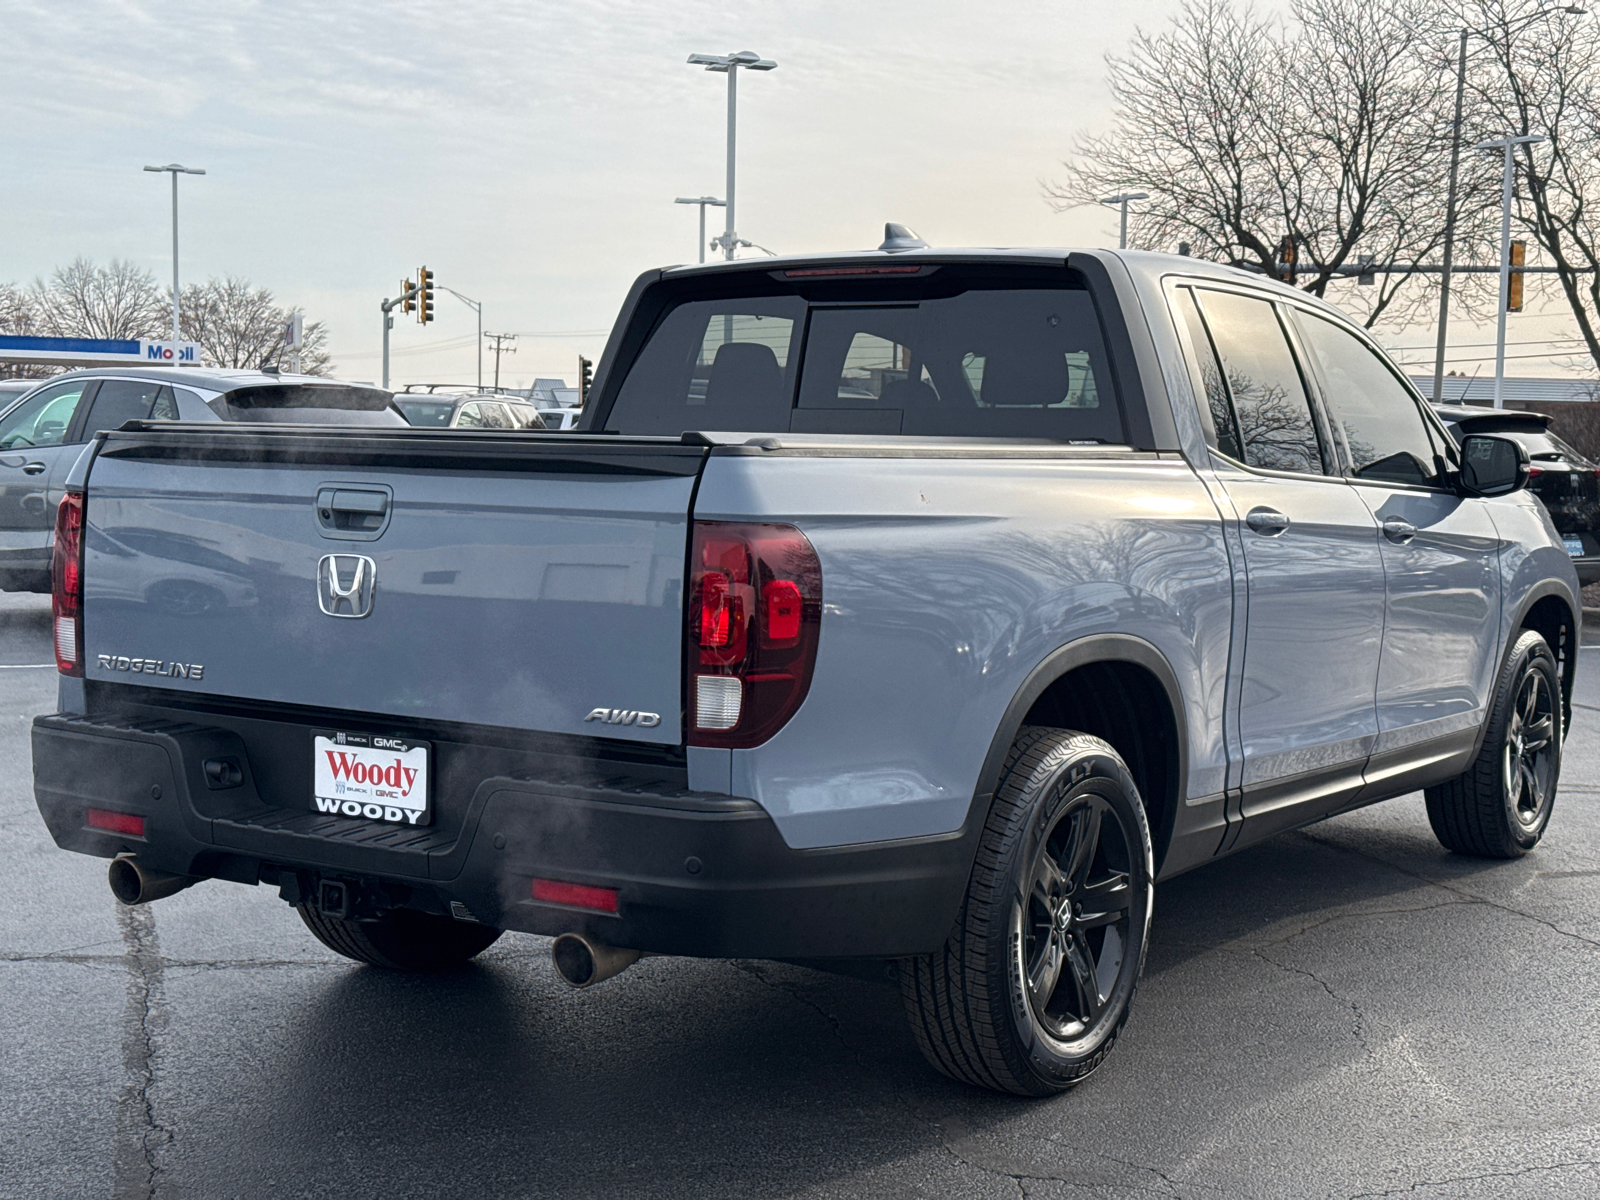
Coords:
pixel 1492 466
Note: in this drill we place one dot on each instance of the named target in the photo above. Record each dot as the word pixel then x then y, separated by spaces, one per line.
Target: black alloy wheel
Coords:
pixel 1500 806
pixel 1032 988
pixel 1072 931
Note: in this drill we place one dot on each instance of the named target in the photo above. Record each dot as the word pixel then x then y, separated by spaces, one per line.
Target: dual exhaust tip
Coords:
pixel 132 883
pixel 580 962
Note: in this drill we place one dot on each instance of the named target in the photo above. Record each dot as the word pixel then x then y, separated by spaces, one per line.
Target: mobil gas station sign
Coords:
pixel 98 352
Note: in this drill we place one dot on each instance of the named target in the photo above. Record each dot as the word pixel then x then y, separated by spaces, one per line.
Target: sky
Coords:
pixel 530 153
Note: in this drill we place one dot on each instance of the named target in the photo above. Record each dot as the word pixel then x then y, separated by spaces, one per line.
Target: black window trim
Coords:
pixel 1318 418
pixel 1430 419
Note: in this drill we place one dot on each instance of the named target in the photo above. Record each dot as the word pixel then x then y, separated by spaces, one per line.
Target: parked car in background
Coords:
pixel 474 411
pixel 1566 481
pixel 11 389
pixel 43 432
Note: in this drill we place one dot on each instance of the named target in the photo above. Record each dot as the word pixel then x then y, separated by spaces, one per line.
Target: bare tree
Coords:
pixel 17 318
pixel 1333 131
pixel 1541 75
pixel 84 299
pixel 238 325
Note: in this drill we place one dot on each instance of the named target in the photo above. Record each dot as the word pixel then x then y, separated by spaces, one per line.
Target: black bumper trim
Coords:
pixel 696 874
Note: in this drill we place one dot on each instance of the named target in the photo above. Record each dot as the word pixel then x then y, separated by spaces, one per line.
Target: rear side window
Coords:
pixel 981 360
pixel 121 400
pixel 1220 414
pixel 1273 414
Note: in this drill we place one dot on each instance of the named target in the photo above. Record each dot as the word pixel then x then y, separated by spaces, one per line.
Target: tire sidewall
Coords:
pixel 1079 765
pixel 1530 653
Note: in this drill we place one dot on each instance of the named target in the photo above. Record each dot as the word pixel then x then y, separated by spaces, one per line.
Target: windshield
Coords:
pixel 308 404
pixel 432 413
pixel 948 355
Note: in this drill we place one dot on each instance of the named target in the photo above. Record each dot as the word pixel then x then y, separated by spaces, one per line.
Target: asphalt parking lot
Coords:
pixel 1347 1011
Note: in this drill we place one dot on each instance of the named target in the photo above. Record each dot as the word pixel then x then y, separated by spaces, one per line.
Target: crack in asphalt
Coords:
pixel 941 1130
pixel 1470 897
pixel 167 964
pixel 1411 1189
pixel 139 1134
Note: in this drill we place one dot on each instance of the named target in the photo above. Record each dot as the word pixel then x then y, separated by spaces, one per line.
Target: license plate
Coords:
pixel 370 776
pixel 1574 546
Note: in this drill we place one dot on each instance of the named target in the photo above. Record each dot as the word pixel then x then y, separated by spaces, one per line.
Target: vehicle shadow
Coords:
pixel 750 1078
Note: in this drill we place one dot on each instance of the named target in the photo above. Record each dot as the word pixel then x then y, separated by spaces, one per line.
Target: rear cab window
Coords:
pixel 957 351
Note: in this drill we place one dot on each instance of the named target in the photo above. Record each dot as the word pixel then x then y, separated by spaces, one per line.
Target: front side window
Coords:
pixel 1276 431
pixel 1388 438
pixel 44 419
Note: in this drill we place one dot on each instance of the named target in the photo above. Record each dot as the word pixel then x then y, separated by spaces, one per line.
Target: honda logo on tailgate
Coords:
pixel 345 583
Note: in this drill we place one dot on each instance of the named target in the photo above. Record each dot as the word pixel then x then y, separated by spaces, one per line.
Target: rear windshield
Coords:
pixel 308 404
pixel 948 355
pixel 435 413
pixel 1547 447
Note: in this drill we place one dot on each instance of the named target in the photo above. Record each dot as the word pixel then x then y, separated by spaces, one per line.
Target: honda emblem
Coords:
pixel 345 583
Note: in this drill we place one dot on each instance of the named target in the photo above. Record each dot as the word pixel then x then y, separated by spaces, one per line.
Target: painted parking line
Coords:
pixel 51 666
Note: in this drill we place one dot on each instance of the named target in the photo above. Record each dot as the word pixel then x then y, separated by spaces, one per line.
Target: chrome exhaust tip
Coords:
pixel 133 884
pixel 582 963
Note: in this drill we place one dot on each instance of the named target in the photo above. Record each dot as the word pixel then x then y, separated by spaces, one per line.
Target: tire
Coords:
pixel 1500 806
pixel 984 1008
pixel 400 940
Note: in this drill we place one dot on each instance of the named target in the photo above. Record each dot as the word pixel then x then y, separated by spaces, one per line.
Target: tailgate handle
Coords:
pixel 359 513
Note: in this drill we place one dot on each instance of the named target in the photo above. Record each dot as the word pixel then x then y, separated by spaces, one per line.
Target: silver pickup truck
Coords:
pixel 926 607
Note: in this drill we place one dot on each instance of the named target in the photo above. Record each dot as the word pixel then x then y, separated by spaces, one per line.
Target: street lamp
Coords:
pixel 176 170
pixel 1507 144
pixel 730 63
pixel 1122 202
pixel 702 201
pixel 1450 201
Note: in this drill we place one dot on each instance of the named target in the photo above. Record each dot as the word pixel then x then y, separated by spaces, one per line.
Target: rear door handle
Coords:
pixel 1267 521
pixel 1397 530
pixel 33 468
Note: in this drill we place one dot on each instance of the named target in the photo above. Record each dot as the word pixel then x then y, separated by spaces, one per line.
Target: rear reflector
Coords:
pixel 575 895
pixel 114 822
pixel 717 700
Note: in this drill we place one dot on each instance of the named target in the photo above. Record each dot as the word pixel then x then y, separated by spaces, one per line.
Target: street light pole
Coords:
pixel 175 169
pixel 1122 202
pixel 1508 144
pixel 702 201
pixel 730 64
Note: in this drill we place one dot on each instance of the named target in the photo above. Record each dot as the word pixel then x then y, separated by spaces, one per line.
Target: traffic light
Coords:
pixel 424 295
pixel 585 380
pixel 408 302
pixel 1519 256
pixel 1286 260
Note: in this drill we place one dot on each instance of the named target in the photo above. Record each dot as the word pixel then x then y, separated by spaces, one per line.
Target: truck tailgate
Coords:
pixel 506 580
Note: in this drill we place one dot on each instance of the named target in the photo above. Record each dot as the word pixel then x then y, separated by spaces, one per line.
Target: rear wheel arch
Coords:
pixel 1116 687
pixel 1546 610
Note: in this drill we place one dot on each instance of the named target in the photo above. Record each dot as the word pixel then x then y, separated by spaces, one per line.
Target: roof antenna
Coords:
pixel 899 237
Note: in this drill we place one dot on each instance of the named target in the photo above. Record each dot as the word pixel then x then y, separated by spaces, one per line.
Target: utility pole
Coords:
pixel 1508 144
pixel 408 294
pixel 177 169
pixel 501 347
pixel 702 201
pixel 730 64
pixel 1122 202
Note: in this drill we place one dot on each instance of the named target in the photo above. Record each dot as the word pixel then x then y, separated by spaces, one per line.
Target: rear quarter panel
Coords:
pixel 945 582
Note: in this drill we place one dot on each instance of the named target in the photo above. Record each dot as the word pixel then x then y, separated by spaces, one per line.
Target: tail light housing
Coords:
pixel 755 609
pixel 66 585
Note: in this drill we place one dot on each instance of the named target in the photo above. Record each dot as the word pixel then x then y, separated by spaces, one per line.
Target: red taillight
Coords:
pixel 575 895
pixel 114 822
pixel 66 585
pixel 754 614
pixel 1535 472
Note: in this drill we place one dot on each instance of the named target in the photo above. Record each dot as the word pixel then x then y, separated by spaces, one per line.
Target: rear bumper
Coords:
pixel 696 874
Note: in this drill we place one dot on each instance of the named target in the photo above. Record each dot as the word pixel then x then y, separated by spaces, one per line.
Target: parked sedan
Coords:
pixel 468 412
pixel 43 432
pixel 1567 482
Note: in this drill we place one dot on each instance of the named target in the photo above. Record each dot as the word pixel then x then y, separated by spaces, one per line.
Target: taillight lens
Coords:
pixel 755 609
pixel 66 585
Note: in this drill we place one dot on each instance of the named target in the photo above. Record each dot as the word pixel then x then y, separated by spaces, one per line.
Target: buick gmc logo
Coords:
pixel 345 583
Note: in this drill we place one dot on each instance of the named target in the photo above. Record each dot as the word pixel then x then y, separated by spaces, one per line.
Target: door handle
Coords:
pixel 1397 530
pixel 1267 521
pixel 33 468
